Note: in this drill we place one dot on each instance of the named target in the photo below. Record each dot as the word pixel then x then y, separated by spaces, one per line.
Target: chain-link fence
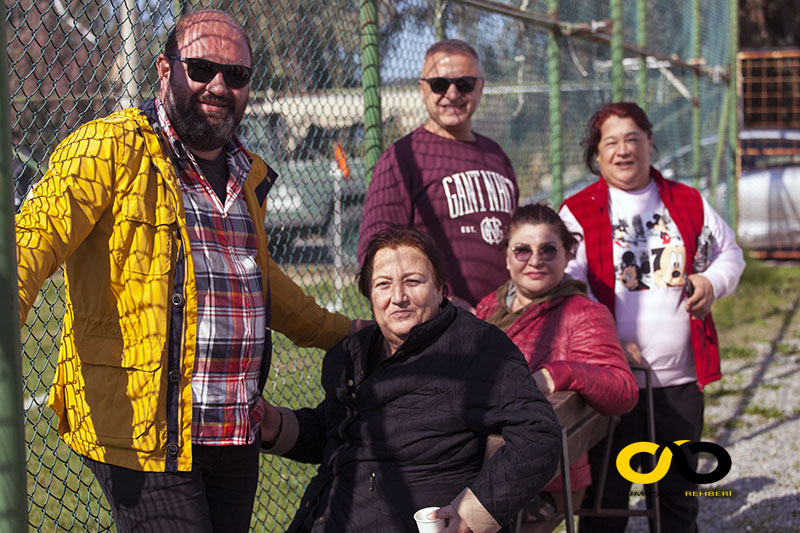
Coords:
pixel 548 65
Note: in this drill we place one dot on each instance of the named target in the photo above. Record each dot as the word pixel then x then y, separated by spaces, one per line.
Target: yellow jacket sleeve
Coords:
pixel 62 209
pixel 299 317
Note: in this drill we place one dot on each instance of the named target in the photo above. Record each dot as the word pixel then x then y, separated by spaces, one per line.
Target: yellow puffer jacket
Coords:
pixel 111 209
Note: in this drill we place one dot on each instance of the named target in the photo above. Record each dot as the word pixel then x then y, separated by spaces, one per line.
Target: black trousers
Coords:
pixel 678 416
pixel 215 496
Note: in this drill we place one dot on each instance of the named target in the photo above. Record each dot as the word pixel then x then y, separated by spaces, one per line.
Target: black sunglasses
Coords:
pixel 203 71
pixel 464 84
pixel 523 252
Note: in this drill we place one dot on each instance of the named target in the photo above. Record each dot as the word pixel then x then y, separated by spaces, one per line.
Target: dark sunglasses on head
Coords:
pixel 464 84
pixel 523 252
pixel 203 71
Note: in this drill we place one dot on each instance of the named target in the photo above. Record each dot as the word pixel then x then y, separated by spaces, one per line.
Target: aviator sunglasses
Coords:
pixel 523 252
pixel 464 84
pixel 203 71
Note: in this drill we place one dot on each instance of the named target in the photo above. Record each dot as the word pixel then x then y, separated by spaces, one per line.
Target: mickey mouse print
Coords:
pixel 648 251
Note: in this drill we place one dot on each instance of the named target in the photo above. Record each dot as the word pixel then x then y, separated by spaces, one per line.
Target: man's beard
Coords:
pixel 199 130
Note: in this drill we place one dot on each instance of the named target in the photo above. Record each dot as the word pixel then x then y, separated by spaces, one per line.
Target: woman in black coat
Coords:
pixel 408 405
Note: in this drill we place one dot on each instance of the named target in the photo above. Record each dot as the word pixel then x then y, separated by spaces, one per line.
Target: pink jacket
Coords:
pixel 575 339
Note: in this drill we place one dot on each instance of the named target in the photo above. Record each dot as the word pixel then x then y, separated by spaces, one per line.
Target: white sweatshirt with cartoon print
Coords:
pixel 649 259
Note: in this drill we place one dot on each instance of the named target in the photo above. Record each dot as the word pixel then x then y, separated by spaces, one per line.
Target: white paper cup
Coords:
pixel 424 524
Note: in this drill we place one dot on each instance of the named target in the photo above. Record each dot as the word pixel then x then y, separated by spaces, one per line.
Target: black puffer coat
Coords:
pixel 411 432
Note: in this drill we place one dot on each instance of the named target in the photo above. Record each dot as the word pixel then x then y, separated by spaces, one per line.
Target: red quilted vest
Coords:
pixel 685 206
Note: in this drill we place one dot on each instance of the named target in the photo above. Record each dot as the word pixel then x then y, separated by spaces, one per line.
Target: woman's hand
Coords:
pixel 359 324
pixel 456 525
pixel 544 381
pixel 462 303
pixel 270 423
pixel 699 303
pixel 632 353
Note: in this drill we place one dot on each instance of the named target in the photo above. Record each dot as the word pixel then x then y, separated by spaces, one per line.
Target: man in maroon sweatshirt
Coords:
pixel 458 185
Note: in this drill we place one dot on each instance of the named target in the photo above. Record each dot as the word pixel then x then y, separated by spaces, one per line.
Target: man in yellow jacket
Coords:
pixel 158 214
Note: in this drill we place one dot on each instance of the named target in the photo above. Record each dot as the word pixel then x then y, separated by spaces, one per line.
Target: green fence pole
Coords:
pixel 554 102
pixel 438 18
pixel 641 40
pixel 617 52
pixel 733 122
pixel 724 114
pixel 371 83
pixel 695 53
pixel 13 493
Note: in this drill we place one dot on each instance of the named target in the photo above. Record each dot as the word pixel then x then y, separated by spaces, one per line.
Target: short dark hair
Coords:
pixel 452 46
pixel 540 214
pixel 176 34
pixel 394 237
pixel 595 125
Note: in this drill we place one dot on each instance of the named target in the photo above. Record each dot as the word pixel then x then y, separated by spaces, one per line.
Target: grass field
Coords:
pixel 763 309
pixel 61 491
pixel 62 495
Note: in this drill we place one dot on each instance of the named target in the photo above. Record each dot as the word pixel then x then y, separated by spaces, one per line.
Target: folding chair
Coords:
pixel 581 428
pixel 653 512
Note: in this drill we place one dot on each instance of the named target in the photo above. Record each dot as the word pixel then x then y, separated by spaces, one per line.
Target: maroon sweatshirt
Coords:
pixel 462 193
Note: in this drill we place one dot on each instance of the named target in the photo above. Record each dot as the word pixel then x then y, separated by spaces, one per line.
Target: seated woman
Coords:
pixel 569 340
pixel 409 403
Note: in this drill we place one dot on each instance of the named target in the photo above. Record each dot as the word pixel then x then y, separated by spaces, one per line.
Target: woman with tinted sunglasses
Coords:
pixel 569 340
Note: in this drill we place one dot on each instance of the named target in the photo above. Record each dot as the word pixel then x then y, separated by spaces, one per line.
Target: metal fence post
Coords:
pixel 554 102
pixel 733 119
pixel 695 53
pixel 641 40
pixel 617 52
pixel 129 61
pixel 371 82
pixel 13 493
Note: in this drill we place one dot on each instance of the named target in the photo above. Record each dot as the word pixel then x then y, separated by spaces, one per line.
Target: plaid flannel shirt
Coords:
pixel 231 311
